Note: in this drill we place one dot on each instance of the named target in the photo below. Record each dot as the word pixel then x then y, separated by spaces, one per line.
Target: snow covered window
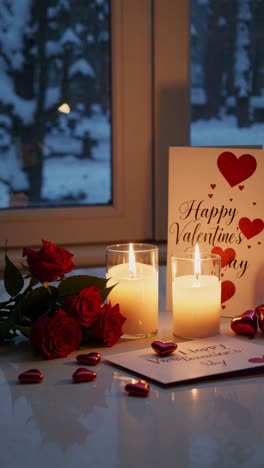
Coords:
pixel 55 103
pixel 227 63
pixel 75 122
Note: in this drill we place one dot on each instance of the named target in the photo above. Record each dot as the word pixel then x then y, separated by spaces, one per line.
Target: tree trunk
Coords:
pixel 214 64
pixel 242 62
pixel 34 82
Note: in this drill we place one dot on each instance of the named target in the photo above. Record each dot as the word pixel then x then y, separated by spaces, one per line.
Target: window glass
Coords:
pixel 120 121
pixel 55 112
pixel 227 72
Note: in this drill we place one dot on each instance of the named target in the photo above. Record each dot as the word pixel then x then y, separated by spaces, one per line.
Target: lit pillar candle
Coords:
pixel 134 270
pixel 196 297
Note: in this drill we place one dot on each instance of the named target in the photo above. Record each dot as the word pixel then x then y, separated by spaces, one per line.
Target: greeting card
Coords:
pixel 216 200
pixel 194 359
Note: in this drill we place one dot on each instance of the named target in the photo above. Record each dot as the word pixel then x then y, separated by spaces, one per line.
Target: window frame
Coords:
pixel 152 31
pixel 130 218
pixel 171 95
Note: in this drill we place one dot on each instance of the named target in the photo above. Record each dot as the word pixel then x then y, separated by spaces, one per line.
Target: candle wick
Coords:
pixel 196 276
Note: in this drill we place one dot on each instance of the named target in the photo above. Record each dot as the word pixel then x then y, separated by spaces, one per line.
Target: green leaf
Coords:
pixel 4 313
pixel 13 279
pixel 26 331
pixel 33 282
pixel 104 293
pixel 5 303
pixel 36 302
pixel 7 329
pixel 74 284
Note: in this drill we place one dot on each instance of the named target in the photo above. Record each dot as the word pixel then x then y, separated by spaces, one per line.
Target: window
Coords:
pixel 226 79
pixel 208 81
pixel 55 115
pixel 159 85
pixel 130 214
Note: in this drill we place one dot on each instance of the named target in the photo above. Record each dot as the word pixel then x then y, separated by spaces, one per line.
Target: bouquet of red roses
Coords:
pixel 57 317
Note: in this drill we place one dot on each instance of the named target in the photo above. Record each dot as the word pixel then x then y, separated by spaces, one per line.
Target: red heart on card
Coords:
pixel 228 290
pixel 251 228
pixel 164 348
pixel 226 255
pixel 139 388
pixel 83 375
pixel 234 169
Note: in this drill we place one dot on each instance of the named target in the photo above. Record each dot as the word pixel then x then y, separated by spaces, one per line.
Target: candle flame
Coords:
pixel 131 261
pixel 197 261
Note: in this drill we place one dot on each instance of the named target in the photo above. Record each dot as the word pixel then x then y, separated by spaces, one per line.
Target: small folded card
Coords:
pixel 216 200
pixel 192 360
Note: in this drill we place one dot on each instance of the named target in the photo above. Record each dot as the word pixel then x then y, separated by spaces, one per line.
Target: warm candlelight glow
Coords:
pixel 132 261
pixel 196 295
pixel 197 261
pixel 194 394
pixel 133 269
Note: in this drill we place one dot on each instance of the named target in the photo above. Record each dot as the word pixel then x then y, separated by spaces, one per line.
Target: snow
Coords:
pixel 84 180
pixel 11 173
pixel 52 97
pixel 257 102
pixel 24 109
pixel 17 14
pixel 52 48
pixel 97 126
pixel 69 178
pixel 83 67
pixel 69 37
pixel 5 120
pixel 216 132
pixel 198 96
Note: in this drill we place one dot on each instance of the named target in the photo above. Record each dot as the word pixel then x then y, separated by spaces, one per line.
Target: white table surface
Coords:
pixel 218 423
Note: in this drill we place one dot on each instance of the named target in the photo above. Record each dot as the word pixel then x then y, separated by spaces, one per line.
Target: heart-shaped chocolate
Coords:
pixel 91 359
pixel 139 388
pixel 31 376
pixel 260 313
pixel 246 323
pixel 83 375
pixel 164 348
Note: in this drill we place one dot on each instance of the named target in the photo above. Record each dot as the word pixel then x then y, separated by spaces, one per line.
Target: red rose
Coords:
pixel 109 326
pixel 56 336
pixel 48 263
pixel 85 307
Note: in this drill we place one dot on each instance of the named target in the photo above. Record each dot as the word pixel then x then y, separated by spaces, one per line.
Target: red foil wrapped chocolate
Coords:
pixel 246 323
pixel 139 388
pixel 90 359
pixel 164 348
pixel 31 376
pixel 260 313
pixel 83 375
